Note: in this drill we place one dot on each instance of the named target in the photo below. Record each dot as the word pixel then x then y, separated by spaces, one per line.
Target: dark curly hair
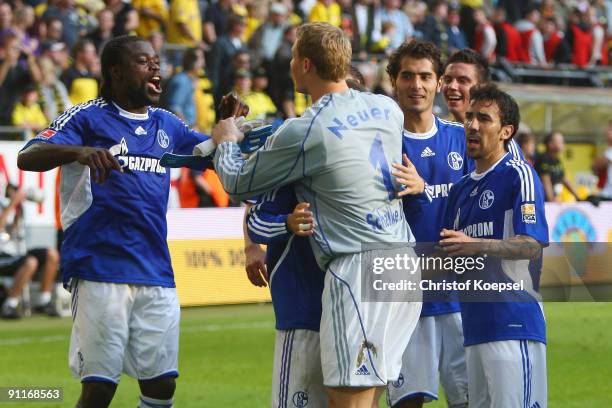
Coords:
pixel 418 50
pixel 509 113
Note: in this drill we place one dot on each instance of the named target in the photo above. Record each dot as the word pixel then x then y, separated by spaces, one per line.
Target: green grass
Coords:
pixel 226 357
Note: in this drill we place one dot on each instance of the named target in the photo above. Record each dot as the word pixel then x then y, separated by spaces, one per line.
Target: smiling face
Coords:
pixel 138 76
pixel 416 85
pixel 484 133
pixel 456 83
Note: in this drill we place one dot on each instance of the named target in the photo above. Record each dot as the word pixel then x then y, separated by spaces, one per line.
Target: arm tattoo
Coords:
pixel 517 247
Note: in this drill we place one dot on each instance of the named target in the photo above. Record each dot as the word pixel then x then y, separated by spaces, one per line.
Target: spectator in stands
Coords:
pixel 404 29
pixel 603 166
pixel 527 143
pixel 23 22
pixel 456 37
pixel 157 41
pixel 72 26
pixel 268 37
pixel 14 77
pixel 327 11
pixel 180 88
pixel 27 114
pixel 550 169
pixel 222 52
pixel 580 38
pixel 468 25
pixel 126 18
pixel 515 9
pixel 53 93
pixel 13 262
pixel 282 89
pixel 184 24
pixel 152 16
pixel 599 52
pixel 6 19
pixel 366 25
pixel 104 31
pixel 242 82
pixel 55 29
pixel 240 61
pixel 435 28
pixel 485 39
pixel 79 79
pixel 215 19
pixel 260 104
pixel 508 37
pixel 556 50
pixel 532 42
pixel 57 52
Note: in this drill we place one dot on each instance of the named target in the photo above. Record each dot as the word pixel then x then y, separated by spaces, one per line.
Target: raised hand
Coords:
pixel 408 176
pixel 232 106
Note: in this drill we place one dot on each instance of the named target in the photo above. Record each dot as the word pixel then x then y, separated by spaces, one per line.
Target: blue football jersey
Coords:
pixel 116 231
pixel 505 201
pixel 296 281
pixel 440 159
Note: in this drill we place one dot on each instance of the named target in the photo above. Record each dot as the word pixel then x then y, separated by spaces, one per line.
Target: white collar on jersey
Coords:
pixel 478 176
pixel 426 135
pixel 130 115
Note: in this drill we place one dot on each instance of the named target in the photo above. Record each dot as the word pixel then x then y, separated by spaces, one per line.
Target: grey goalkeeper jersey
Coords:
pixel 338 155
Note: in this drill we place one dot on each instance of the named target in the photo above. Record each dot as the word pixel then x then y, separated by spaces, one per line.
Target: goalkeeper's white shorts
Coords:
pixel 118 328
pixel 361 342
pixel 297 379
pixel 435 354
pixel 509 373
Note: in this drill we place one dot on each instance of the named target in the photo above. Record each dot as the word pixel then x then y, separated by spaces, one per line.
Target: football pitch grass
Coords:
pixel 226 357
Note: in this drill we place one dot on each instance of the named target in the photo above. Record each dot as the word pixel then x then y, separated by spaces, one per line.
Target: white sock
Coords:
pixel 44 298
pixel 148 402
pixel 11 301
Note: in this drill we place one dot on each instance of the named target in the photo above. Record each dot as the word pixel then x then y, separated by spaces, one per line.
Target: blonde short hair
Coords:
pixel 327 47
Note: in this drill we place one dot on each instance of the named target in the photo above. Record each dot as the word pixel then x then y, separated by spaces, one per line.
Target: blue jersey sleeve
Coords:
pixel 267 221
pixel 186 138
pixel 528 207
pixel 67 129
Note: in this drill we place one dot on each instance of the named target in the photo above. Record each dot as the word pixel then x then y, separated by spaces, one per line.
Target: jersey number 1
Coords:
pixel 377 158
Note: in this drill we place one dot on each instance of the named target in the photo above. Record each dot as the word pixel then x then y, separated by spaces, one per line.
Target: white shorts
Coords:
pixel 297 379
pixel 510 373
pixel 123 328
pixel 434 354
pixel 361 342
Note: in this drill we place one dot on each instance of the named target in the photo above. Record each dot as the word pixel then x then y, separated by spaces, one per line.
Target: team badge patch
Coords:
pixel 486 199
pixel 47 133
pixel 455 161
pixel 528 213
pixel 162 138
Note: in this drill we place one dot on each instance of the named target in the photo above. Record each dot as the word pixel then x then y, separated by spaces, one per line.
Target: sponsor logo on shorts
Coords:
pixel 363 370
pixel 300 399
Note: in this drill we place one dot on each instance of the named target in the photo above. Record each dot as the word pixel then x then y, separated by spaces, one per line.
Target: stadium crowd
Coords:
pixel 50 50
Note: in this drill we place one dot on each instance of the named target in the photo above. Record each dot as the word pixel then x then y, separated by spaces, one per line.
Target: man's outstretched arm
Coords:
pixel 45 156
